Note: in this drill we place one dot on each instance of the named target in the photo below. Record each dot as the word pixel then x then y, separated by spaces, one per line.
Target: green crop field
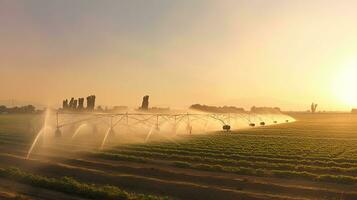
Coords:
pixel 312 158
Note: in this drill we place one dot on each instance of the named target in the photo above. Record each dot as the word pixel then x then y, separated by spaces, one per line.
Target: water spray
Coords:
pixel 149 134
pixel 78 130
pixel 58 132
pixel 157 123
pixel 174 127
pixel 39 135
pixel 110 132
pixel 132 121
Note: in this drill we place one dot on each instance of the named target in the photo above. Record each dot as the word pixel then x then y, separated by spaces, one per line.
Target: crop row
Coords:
pixel 269 173
pixel 72 186
pixel 191 152
pixel 231 162
pixel 117 156
pixel 242 170
pixel 308 145
pixel 226 152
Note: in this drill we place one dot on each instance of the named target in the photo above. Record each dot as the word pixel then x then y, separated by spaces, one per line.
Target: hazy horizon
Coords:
pixel 243 53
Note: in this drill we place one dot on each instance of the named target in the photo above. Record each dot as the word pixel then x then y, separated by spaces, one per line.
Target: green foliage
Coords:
pixel 311 150
pixel 71 186
pixel 274 155
pixel 181 164
pixel 119 157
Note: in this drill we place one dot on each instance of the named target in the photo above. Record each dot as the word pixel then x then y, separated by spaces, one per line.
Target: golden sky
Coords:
pixel 239 52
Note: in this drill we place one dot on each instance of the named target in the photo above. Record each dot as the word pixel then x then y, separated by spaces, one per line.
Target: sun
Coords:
pixel 345 86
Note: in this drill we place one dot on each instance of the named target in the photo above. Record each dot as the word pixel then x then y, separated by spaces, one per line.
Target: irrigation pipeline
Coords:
pixel 153 121
pixel 157 119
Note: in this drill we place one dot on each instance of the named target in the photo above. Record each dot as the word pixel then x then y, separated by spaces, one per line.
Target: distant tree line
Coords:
pixel 265 109
pixel 16 109
pixel 233 109
pixel 216 109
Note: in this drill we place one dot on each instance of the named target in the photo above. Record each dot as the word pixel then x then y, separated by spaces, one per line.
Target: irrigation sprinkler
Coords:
pixel 58 132
pixel 157 127
pixel 226 127
pixel 126 122
pixel 174 127
pixel 189 126
pixel 229 120
pixel 111 130
pixel 155 120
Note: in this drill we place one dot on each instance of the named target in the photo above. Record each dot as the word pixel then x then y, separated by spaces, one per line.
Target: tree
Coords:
pixel 313 107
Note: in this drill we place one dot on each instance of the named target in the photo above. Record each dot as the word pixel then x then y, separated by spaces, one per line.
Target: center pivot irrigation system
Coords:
pixel 157 120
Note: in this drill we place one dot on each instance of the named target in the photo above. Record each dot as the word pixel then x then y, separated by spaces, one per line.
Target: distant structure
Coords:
pixel 78 104
pixel 145 103
pixel 354 111
pixel 71 102
pixel 91 102
pixel 313 107
pixel 74 106
pixel 65 104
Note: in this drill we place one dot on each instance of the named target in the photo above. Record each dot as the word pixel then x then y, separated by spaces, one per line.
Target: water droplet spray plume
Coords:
pixel 78 130
pixel 105 137
pixel 42 132
pixel 150 132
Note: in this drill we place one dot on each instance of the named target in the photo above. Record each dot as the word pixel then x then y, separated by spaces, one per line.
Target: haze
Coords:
pixel 264 53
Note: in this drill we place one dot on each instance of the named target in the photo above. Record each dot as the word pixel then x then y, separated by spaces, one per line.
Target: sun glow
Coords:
pixel 345 86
